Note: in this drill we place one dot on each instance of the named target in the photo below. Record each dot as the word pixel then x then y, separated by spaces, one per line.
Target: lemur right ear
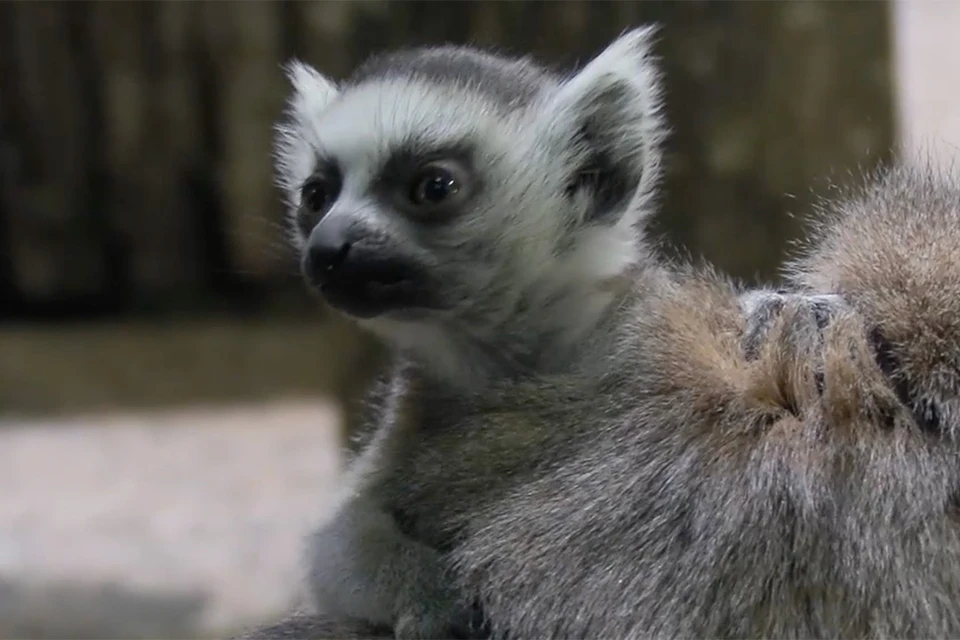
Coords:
pixel 613 107
pixel 295 139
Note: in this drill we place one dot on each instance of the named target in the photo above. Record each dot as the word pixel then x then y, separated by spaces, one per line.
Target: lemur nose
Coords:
pixel 323 260
pixel 326 251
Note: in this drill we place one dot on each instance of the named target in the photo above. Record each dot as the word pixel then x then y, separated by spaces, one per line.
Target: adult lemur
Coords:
pixel 585 440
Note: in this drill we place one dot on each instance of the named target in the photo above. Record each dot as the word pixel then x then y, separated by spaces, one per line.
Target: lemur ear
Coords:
pixel 295 136
pixel 613 103
pixel 312 91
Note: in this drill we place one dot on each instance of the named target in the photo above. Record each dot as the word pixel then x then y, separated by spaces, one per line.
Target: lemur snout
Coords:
pixel 341 254
pixel 358 272
pixel 323 260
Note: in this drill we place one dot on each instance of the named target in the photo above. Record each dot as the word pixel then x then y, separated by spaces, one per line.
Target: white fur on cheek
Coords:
pixel 602 253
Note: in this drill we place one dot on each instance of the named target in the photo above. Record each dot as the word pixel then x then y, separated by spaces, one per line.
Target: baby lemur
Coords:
pixel 583 439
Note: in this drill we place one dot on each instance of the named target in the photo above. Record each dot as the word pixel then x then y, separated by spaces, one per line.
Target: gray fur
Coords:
pixel 693 460
pixel 511 83
pixel 411 590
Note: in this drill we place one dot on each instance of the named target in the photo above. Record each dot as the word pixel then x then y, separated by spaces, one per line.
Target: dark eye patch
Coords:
pixel 318 193
pixel 402 176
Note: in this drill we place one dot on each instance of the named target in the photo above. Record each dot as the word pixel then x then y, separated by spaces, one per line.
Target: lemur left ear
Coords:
pixel 613 103
pixel 312 91
pixel 295 137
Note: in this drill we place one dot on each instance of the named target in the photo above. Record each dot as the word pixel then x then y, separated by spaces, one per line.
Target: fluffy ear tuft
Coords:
pixel 295 136
pixel 613 105
pixel 312 91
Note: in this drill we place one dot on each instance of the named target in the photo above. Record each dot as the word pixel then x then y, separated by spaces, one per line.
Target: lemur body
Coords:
pixel 586 440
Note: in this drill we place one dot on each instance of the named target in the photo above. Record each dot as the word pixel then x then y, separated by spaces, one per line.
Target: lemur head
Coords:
pixel 452 197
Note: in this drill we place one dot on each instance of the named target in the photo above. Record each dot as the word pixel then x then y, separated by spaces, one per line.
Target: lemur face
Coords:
pixel 405 197
pixel 452 183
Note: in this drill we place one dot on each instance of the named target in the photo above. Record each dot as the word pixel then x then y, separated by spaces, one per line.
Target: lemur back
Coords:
pixel 809 492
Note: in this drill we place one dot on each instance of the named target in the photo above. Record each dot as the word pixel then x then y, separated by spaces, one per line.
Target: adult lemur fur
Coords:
pixel 585 440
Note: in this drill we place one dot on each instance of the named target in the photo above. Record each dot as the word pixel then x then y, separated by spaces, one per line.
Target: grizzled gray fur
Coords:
pixel 579 439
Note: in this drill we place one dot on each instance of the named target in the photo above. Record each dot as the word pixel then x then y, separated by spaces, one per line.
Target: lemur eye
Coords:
pixel 316 195
pixel 436 184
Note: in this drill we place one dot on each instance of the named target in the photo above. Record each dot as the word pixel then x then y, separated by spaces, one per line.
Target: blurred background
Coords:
pixel 171 399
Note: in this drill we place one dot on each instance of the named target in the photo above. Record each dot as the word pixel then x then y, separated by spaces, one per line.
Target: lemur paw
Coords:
pixel 470 624
pixel 428 623
pixel 809 315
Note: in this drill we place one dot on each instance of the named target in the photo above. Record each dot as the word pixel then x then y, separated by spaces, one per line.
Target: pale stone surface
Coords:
pixel 209 504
